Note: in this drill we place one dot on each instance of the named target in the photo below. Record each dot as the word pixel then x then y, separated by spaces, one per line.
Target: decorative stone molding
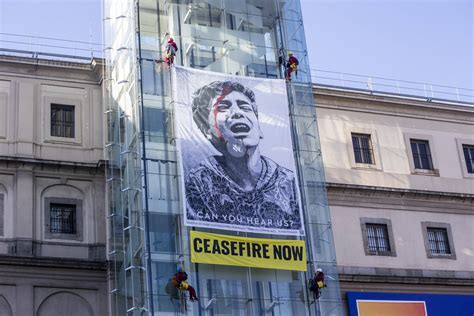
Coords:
pixel 407 276
pixel 399 199
pixel 350 100
pixel 56 166
pixel 30 254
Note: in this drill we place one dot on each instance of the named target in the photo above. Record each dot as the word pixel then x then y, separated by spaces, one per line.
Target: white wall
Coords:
pixel 336 124
pixel 386 189
pixel 34 165
pixel 409 243
pixel 25 116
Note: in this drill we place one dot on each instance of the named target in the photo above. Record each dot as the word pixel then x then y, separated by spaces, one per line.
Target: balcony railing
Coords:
pixel 402 88
pixel 48 48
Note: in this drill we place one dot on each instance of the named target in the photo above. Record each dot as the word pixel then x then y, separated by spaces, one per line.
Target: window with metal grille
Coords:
pixel 377 237
pixel 438 241
pixel 62 120
pixel 62 218
pixel 469 157
pixel 421 154
pixel 363 151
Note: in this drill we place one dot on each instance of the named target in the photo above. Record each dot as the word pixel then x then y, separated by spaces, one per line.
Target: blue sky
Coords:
pixel 418 40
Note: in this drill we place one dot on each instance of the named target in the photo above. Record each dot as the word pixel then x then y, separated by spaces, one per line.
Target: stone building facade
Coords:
pixel 52 188
pixel 399 177
pixel 400 187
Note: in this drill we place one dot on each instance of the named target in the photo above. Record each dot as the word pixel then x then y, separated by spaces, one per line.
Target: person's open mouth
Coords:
pixel 240 128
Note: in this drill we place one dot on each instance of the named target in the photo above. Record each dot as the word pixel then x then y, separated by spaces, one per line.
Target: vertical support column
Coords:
pixel 126 250
pixel 25 118
pixel 321 250
pixel 24 215
pixel 24 299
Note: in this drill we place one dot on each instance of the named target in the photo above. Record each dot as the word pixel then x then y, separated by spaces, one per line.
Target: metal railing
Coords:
pixel 80 51
pixel 403 88
pixel 48 48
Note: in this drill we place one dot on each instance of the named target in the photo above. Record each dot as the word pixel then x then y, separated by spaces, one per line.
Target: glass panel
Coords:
pixel 367 148
pixel 432 242
pixel 469 158
pixel 237 37
pixel 163 229
pixel 229 296
pixel 421 154
pixel 126 245
pixel 356 145
pixel 156 127
pixel 362 148
pixel 371 239
pixel 381 232
pixel 167 297
pixel 440 241
pixel 416 155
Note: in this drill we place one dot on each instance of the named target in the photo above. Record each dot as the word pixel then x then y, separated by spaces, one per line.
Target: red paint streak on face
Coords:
pixel 225 92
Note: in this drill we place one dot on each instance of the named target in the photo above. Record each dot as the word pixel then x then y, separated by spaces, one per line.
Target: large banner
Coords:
pixel 391 308
pixel 409 304
pixel 236 151
pixel 247 252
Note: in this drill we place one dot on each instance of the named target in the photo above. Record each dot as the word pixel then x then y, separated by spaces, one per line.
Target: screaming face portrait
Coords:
pixel 237 186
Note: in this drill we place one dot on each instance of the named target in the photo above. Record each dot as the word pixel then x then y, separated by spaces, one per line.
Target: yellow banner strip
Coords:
pixel 248 252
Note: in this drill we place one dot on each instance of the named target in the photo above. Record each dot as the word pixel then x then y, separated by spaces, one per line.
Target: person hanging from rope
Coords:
pixel 170 51
pixel 179 282
pixel 291 66
pixel 317 283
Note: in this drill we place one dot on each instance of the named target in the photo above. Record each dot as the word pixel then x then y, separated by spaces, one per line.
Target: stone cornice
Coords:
pixel 27 160
pixel 402 199
pixel 404 280
pixel 10 162
pixel 397 191
pixel 405 276
pixel 45 262
pixel 344 99
pixel 64 71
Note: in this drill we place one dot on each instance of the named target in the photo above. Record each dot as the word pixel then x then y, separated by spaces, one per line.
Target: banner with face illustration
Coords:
pixel 237 163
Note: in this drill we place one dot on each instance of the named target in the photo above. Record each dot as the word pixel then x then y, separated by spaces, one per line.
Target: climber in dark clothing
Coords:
pixel 317 283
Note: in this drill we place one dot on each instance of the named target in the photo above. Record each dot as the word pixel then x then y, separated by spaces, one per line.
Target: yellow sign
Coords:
pixel 248 252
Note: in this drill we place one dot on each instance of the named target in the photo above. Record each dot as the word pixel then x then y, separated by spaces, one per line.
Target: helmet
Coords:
pixel 170 40
pixel 319 270
pixel 290 53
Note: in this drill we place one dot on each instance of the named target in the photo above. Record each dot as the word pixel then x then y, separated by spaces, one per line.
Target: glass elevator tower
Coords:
pixel 147 238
